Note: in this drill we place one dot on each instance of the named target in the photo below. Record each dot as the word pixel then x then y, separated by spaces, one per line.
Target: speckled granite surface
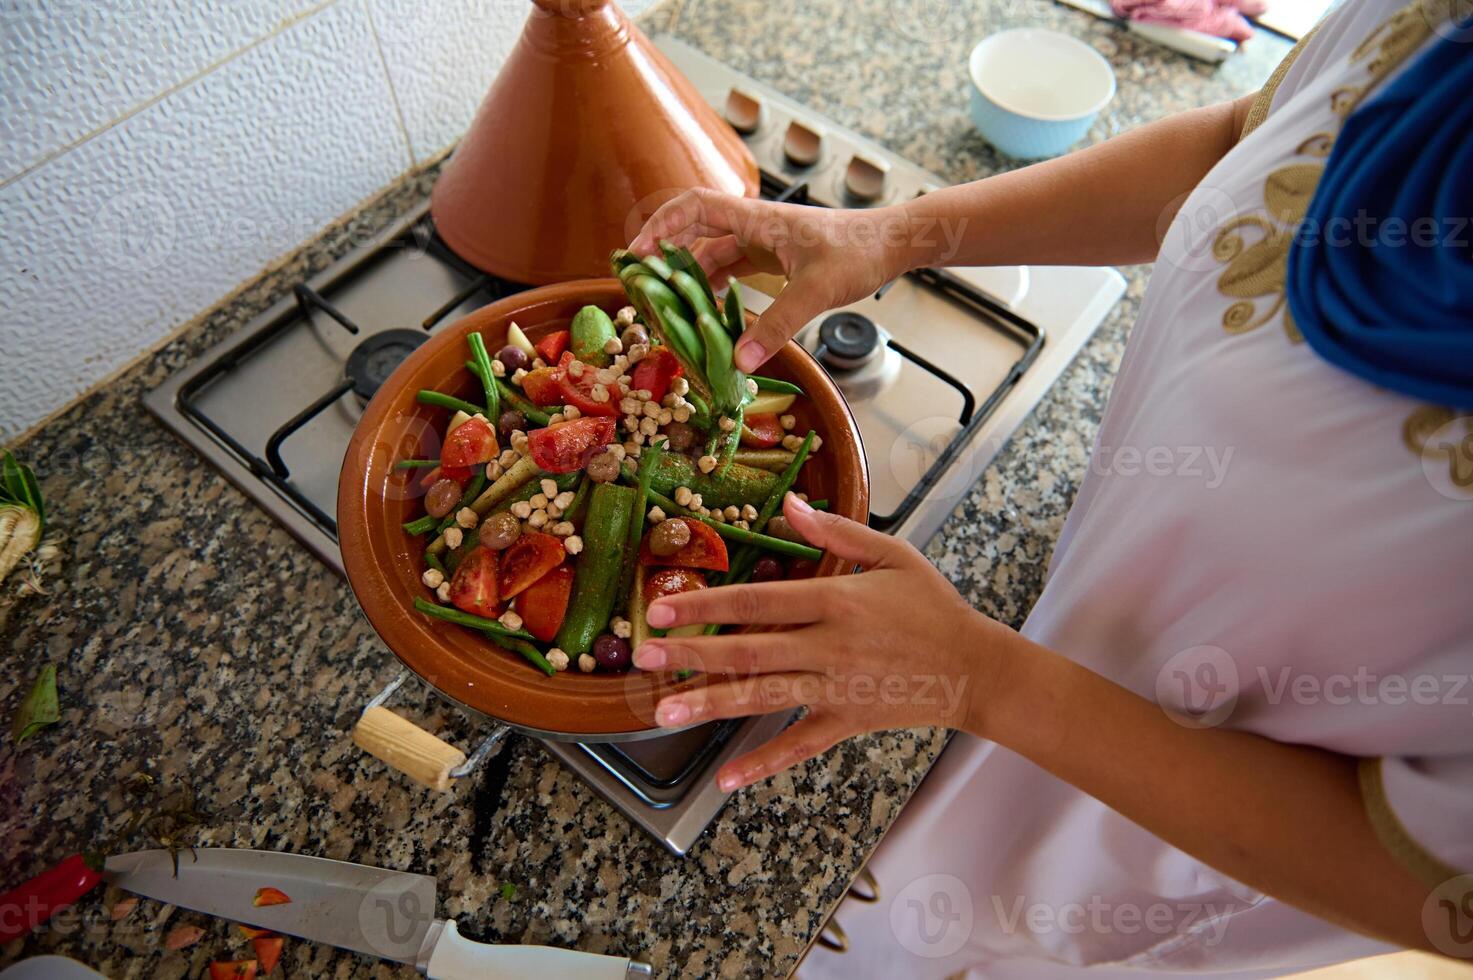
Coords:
pixel 197 642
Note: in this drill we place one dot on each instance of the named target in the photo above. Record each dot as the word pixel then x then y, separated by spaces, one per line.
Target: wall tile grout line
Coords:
pixel 51 155
pixel 389 80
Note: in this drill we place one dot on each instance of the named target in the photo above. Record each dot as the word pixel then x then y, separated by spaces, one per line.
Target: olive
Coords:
pixel 779 527
pixel 682 436
pixel 442 498
pixel 612 652
pixel 499 530
pixel 602 468
pixel 767 569
pixel 802 568
pixel 634 334
pixel 512 357
pixel 511 420
pixel 668 537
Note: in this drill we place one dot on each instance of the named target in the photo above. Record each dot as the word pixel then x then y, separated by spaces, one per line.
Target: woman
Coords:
pixel 1295 803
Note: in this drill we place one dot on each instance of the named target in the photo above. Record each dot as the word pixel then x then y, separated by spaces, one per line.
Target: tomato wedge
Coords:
pixel 762 431
pixel 473 587
pixel 543 604
pixel 705 549
pixel 658 369
pixel 541 387
pixel 578 391
pixel 268 951
pixel 567 446
pixel 530 557
pixel 473 443
pixel 551 347
pixel 671 581
pixel 233 970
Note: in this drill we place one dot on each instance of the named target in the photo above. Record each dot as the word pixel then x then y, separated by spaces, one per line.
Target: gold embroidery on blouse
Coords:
pixel 1259 271
pixel 1429 433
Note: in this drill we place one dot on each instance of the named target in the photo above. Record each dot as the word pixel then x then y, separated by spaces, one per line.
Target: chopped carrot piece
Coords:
pixel 270 896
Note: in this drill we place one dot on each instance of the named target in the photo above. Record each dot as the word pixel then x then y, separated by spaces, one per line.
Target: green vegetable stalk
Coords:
pixel 22 512
pixel 488 378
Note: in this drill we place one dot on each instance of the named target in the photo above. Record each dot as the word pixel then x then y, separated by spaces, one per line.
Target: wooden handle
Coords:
pixel 405 746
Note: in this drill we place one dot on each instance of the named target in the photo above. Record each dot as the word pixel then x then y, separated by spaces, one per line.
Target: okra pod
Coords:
pixel 736 319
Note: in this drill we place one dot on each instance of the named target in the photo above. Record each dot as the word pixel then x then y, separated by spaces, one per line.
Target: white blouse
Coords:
pixel 1264 542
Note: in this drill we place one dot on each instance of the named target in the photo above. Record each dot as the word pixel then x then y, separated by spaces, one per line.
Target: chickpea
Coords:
pixel 668 537
pixel 603 468
pixel 500 530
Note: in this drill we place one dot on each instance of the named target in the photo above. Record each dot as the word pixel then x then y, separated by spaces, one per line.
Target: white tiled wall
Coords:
pixel 156 153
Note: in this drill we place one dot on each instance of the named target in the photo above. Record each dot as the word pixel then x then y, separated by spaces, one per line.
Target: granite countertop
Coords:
pixel 198 643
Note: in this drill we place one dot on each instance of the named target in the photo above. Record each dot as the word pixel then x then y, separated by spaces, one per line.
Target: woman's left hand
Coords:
pixel 892 647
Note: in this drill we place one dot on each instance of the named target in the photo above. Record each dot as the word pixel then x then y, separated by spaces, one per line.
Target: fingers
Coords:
pixel 767 603
pixel 698 213
pixel 794 307
pixel 739 654
pixel 845 538
pixel 810 737
pixel 739 698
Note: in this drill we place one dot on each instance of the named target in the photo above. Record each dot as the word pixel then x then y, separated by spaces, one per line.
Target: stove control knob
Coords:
pixel 864 179
pixel 847 340
pixel 743 112
pixel 801 145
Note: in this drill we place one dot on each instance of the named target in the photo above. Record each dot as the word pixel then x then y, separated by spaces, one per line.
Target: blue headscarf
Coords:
pixel 1380 277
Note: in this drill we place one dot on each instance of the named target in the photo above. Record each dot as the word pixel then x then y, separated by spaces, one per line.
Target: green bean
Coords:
pixel 736 318
pixel 488 377
pixel 427 397
pixel 422 525
pixel 728 385
pixel 742 565
pixel 682 259
pixel 527 650
pixel 515 399
pixel 690 290
pixel 451 615
pixel 416 464
pixel 783 547
pixel 821 503
pixel 776 384
pixel 434 562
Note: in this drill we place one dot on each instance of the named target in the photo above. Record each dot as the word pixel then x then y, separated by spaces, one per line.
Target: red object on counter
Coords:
pixel 31 903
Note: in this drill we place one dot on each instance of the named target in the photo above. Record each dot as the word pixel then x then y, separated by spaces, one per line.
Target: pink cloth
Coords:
pixel 1224 18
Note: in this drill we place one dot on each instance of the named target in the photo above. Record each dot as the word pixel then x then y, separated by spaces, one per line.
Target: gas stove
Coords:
pixel 961 357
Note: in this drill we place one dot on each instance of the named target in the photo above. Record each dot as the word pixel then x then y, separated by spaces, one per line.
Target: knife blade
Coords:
pixel 382 913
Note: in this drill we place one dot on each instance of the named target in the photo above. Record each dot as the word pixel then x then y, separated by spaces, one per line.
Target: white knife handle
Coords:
pixel 458 958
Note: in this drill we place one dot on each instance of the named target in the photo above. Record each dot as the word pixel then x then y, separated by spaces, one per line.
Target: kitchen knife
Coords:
pixel 1194 44
pixel 388 914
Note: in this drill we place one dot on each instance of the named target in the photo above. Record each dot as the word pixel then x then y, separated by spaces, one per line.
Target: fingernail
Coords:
pixel 660 616
pixel 750 355
pixel 672 713
pixel 649 657
pixel 798 503
pixel 727 782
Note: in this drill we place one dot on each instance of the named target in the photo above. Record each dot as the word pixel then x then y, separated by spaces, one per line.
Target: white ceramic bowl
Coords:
pixel 1036 92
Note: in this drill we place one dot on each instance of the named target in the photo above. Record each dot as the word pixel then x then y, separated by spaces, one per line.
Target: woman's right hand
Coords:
pixel 830 257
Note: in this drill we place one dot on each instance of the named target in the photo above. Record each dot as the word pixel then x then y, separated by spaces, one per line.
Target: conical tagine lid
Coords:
pixel 587 129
